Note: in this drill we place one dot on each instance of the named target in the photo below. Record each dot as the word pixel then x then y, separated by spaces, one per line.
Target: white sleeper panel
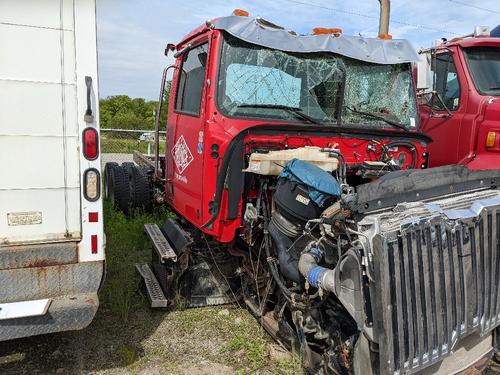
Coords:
pixel 34 54
pixel 41 119
pixel 49 203
pixel 38 162
pixel 37 13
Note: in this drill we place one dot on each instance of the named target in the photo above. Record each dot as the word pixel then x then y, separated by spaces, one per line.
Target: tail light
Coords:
pixel 91 184
pixel 491 139
pixel 90 143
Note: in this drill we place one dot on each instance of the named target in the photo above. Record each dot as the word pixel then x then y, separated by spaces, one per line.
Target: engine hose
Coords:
pixel 288 265
pixel 267 244
pixel 408 145
pixel 272 267
pixel 317 276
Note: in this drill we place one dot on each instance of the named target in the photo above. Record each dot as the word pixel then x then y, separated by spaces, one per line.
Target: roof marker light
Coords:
pixel 240 13
pixel 326 30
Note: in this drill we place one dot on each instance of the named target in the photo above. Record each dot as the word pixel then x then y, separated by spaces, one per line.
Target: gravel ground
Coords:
pixel 215 340
pixel 126 337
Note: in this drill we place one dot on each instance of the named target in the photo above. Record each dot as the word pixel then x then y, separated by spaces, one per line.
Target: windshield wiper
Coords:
pixel 379 117
pixel 298 112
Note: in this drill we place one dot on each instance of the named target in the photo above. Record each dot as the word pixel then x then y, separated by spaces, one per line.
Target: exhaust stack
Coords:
pixel 385 11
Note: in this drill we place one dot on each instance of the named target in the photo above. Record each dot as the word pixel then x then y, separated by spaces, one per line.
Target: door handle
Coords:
pixel 89 117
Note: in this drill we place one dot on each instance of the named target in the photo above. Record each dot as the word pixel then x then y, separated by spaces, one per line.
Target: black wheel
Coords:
pixel 140 189
pixel 127 167
pixel 108 179
pixel 121 191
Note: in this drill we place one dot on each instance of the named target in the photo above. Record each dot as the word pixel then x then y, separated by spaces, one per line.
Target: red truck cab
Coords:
pixel 230 98
pixel 459 101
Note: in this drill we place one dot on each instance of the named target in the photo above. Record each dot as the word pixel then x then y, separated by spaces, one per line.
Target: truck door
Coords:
pixel 443 126
pixel 186 138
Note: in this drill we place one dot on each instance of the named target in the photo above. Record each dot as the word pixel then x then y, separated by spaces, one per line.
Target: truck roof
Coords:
pixel 257 31
pixel 468 42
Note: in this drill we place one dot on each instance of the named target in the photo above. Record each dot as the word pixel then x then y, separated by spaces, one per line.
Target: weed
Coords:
pixel 288 366
pixel 127 355
pixel 254 349
pixel 126 245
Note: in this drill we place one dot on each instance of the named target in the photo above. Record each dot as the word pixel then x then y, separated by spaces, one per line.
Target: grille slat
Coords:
pixel 443 278
pixel 495 290
pixel 419 291
pixel 410 300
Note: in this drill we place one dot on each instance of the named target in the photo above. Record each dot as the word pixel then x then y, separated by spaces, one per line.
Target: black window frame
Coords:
pixel 471 71
pixel 451 60
pixel 179 75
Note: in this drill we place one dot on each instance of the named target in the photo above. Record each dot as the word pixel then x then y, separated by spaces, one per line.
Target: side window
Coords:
pixel 446 83
pixel 190 81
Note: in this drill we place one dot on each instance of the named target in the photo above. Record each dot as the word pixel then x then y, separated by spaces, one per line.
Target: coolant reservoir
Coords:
pixel 272 163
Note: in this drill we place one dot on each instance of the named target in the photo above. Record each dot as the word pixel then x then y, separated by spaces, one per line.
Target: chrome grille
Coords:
pixel 439 278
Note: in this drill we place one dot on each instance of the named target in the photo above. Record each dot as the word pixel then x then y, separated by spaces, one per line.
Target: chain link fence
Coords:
pixel 118 145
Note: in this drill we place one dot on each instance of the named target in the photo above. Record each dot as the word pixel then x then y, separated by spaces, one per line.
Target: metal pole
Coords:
pixel 385 11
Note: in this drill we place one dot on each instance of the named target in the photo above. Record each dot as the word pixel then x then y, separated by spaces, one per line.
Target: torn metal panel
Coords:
pixel 262 33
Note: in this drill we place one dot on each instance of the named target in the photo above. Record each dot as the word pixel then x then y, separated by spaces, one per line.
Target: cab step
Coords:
pixel 155 293
pixel 160 243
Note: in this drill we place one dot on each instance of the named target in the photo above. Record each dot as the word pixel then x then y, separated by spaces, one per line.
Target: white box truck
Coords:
pixel 51 220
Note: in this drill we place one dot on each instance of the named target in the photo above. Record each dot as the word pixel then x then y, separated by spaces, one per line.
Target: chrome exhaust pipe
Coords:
pixel 385 12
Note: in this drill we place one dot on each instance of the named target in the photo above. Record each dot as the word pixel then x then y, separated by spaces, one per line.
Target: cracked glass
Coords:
pixel 258 82
pixel 381 90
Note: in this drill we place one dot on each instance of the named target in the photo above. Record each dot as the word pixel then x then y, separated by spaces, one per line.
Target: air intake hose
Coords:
pixel 317 276
pixel 287 260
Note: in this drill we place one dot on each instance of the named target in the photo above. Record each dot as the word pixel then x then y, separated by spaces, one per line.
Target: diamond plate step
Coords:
pixel 160 243
pixel 155 293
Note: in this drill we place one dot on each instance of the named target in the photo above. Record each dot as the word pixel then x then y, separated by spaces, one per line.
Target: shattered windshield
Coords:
pixel 376 92
pixel 258 82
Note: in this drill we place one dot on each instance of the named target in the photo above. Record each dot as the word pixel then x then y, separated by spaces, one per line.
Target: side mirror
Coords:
pixel 170 47
pixel 424 72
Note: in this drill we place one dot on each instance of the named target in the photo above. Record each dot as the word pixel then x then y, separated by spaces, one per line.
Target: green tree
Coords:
pixel 123 112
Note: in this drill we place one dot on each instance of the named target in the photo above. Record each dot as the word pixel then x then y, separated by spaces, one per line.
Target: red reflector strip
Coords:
pixel 93 240
pixel 93 217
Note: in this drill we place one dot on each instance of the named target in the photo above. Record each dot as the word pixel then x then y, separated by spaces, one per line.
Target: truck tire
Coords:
pixel 127 167
pixel 108 178
pixel 140 189
pixel 121 191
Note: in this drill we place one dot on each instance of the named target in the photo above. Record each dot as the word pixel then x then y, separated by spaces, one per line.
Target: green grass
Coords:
pixel 126 245
pixel 225 335
pixel 126 146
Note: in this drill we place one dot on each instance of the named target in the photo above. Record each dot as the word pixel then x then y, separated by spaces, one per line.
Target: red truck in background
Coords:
pixel 459 100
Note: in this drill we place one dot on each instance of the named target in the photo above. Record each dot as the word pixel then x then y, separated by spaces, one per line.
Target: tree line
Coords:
pixel 123 112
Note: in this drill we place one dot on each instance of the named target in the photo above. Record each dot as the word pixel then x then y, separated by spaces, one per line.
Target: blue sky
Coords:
pixel 132 34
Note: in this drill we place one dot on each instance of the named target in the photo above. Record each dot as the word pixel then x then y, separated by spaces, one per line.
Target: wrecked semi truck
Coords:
pixel 297 173
pixel 51 223
pixel 459 100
